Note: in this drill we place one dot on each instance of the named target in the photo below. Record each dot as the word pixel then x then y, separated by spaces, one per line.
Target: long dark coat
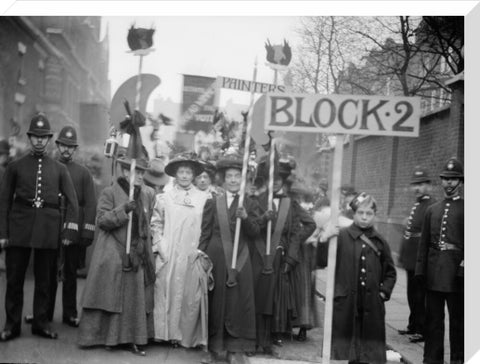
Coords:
pixel 352 338
pixel 87 199
pixel 283 303
pixel 231 310
pixel 302 274
pixel 104 289
pixel 409 247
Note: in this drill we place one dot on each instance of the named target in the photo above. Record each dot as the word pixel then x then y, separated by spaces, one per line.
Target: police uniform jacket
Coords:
pixel 85 190
pixel 441 245
pixel 36 178
pixel 411 236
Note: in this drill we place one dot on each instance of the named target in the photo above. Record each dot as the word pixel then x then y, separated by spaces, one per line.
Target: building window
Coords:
pixel 22 49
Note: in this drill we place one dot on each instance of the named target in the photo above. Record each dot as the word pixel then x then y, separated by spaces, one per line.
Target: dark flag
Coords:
pixel 279 54
pixel 140 38
pixel 131 125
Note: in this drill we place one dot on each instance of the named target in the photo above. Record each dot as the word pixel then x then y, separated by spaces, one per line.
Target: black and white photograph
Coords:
pixel 239 182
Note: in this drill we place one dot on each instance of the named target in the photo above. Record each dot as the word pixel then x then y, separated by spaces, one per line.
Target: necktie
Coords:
pixel 234 198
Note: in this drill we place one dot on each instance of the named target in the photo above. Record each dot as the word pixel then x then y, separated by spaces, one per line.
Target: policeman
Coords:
pixel 72 257
pixel 440 266
pixel 30 220
pixel 421 186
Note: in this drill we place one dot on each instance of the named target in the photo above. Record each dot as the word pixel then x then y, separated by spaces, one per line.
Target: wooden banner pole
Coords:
pixel 246 156
pixel 132 166
pixel 270 194
pixel 332 249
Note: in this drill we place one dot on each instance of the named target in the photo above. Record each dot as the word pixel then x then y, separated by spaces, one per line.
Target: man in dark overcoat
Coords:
pixel 420 185
pixel 231 321
pixel 440 265
pixel 73 256
pixel 364 279
pixel 30 220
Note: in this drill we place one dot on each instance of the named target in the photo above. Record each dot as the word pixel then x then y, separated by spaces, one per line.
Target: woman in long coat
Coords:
pixel 231 302
pixel 364 279
pixel 276 305
pixel 176 225
pixel 302 274
pixel 118 296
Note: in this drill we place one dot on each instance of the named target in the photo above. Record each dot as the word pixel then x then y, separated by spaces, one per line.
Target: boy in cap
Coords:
pixel 30 220
pixel 364 279
pixel 440 265
pixel 420 185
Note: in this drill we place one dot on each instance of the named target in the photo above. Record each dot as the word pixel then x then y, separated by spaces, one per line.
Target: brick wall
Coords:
pixel 383 166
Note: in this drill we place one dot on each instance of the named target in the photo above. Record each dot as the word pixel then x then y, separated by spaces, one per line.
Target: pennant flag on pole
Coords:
pixel 131 125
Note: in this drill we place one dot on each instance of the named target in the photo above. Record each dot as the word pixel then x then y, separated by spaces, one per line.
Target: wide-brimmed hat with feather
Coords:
pixel 187 158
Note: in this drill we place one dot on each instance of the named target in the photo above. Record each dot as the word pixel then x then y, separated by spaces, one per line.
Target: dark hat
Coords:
pixel 141 163
pixel 39 126
pixel 4 147
pixel 209 168
pixel 347 190
pixel 188 158
pixel 67 136
pixel 419 176
pixel 285 167
pixel 452 169
pixel 155 174
pixel 282 170
pixel 355 203
pixel 230 161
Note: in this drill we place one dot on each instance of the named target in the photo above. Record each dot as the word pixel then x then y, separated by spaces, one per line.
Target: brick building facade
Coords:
pixel 54 65
pixel 383 166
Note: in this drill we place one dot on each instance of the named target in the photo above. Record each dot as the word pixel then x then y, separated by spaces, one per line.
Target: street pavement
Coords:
pixel 32 349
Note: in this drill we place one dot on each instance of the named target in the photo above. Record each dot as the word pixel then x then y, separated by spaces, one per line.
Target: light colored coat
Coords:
pixel 194 316
pixel 176 223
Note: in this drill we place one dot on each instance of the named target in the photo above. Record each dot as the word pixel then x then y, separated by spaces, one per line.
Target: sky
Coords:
pixel 205 46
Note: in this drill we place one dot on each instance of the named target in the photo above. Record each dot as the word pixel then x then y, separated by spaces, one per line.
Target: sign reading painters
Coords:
pixel 248 86
pixel 343 114
pixel 198 102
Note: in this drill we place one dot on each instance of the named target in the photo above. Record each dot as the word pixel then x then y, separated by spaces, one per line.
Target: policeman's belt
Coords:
pixel 34 204
pixel 444 246
pixel 408 235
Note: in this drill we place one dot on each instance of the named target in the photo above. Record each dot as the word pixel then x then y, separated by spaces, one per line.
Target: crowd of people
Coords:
pixel 179 256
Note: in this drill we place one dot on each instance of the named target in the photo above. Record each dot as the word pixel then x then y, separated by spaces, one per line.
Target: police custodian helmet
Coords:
pixel 67 136
pixel 420 175
pixel 452 169
pixel 39 126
